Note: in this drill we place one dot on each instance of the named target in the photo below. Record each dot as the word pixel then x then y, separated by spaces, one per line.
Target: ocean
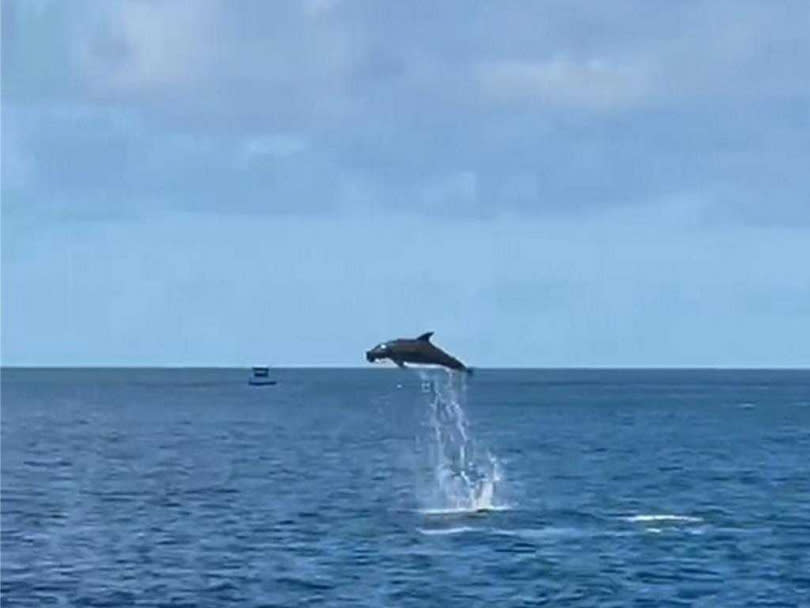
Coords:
pixel 387 487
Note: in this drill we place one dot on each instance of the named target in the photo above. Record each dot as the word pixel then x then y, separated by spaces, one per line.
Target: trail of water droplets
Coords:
pixel 464 478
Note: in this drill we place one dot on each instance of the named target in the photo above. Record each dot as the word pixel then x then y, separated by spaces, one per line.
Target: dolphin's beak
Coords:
pixel 369 356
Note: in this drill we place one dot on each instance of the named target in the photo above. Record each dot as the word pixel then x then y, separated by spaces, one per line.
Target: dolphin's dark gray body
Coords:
pixel 419 350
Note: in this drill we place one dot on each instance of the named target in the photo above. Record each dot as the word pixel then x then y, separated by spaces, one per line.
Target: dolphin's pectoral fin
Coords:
pixel 425 337
pixel 399 363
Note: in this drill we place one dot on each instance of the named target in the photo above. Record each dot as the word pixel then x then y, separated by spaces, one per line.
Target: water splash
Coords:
pixel 464 477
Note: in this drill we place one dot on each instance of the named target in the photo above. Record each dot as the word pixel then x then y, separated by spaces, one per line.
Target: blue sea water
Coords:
pixel 404 488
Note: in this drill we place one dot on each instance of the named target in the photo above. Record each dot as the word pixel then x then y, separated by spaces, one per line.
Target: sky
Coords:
pixel 543 184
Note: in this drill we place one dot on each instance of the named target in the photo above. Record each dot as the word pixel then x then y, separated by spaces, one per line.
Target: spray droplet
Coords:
pixel 464 479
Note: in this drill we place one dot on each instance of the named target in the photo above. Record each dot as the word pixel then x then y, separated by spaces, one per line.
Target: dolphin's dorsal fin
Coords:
pixel 425 337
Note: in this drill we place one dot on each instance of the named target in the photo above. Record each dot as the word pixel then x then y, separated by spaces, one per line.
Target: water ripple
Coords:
pixel 188 488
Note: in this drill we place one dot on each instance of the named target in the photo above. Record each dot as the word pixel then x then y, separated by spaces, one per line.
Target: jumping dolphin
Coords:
pixel 419 350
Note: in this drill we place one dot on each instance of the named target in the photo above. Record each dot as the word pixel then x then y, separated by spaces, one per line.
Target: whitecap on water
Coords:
pixel 446 531
pixel 449 511
pixel 663 518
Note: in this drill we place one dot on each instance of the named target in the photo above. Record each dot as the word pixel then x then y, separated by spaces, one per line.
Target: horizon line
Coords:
pixel 385 368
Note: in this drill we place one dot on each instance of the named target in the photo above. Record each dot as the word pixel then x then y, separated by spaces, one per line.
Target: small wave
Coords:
pixel 746 405
pixel 311 584
pixel 649 518
pixel 446 531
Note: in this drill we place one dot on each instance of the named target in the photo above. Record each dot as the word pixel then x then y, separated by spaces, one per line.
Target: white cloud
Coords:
pixel 400 100
pixel 316 8
pixel 137 46
pixel 591 84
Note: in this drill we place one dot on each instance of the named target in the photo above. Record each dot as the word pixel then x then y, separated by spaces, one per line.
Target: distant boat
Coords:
pixel 261 377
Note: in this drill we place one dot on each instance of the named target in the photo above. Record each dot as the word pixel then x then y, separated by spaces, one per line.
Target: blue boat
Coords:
pixel 261 377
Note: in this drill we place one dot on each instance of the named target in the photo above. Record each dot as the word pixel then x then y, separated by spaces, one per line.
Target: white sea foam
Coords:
pixel 463 510
pixel 523 533
pixel 446 531
pixel 663 517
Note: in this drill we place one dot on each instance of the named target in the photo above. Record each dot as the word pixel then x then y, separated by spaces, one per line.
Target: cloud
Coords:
pixel 317 8
pixel 138 47
pixel 277 144
pixel 593 84
pixel 466 110
pixel 583 183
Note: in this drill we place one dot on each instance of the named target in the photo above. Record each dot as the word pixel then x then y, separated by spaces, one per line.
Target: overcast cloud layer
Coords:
pixel 541 183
